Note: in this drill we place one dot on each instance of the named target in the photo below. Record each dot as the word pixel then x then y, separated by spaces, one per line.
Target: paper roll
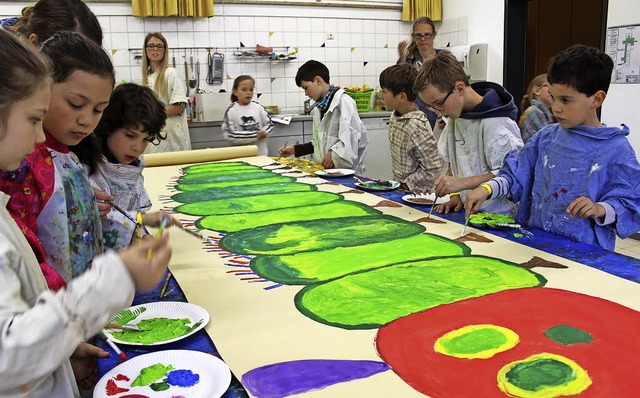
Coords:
pixel 199 155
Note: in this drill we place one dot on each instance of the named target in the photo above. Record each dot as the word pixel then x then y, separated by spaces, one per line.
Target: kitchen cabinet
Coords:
pixel 300 130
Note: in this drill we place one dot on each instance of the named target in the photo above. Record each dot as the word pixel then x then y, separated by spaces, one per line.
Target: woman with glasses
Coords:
pixel 164 80
pixel 423 33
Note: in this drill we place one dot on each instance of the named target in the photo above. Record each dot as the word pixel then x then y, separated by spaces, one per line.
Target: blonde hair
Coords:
pixel 441 71
pixel 537 81
pixel 160 86
pixel 412 48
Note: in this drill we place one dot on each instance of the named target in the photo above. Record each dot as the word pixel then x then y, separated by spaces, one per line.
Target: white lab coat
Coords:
pixel 40 329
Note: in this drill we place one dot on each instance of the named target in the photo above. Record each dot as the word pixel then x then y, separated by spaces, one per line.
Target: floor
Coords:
pixel 629 247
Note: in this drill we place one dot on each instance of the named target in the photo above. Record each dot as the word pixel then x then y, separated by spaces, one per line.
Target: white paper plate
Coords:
pixel 372 186
pixel 334 172
pixel 425 199
pixel 215 375
pixel 165 309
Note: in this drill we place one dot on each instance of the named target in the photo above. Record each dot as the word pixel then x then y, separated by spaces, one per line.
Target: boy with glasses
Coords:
pixel 480 134
pixel 576 178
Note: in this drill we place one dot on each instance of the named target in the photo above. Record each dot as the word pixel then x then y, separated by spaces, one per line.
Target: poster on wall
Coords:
pixel 621 47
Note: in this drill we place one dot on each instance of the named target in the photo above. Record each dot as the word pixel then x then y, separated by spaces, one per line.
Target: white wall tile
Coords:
pixel 276 24
pixel 135 24
pixel 152 25
pixel 119 24
pixel 168 25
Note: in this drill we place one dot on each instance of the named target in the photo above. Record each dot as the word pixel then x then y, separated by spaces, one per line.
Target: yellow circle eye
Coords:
pixel 543 376
pixel 476 341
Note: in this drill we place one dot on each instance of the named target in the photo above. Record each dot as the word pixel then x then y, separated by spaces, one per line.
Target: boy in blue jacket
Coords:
pixel 577 178
pixel 480 134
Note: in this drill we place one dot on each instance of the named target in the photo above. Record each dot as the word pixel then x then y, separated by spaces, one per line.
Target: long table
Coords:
pixel 598 258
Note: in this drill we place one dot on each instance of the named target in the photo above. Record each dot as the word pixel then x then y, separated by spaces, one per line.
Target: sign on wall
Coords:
pixel 621 47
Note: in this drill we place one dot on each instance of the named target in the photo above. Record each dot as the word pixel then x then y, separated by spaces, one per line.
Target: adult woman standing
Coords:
pixel 170 91
pixel 423 33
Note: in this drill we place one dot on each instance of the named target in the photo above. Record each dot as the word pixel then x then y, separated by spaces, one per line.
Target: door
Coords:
pixel 536 30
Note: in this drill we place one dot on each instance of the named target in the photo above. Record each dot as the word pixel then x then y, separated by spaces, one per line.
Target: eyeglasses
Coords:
pixel 422 35
pixel 438 107
pixel 154 46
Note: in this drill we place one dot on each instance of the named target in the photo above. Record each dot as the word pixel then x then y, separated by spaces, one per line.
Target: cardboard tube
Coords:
pixel 199 155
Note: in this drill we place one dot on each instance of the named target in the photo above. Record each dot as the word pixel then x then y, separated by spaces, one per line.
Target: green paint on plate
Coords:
pixel 156 330
pixel 151 374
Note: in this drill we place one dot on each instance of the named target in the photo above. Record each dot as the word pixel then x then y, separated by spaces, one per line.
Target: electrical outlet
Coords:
pixel 330 36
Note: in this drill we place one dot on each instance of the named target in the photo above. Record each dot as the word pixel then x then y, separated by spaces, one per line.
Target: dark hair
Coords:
pixel 399 79
pixel 48 17
pixel 441 71
pixel 236 84
pixel 70 51
pixel 586 69
pixel 537 81
pixel 412 48
pixel 309 70
pixel 22 71
pixel 160 86
pixel 130 105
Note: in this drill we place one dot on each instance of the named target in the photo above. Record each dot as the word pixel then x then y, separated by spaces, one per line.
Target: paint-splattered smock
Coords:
pixel 176 128
pixel 241 124
pixel 40 329
pixel 126 184
pixel 56 193
pixel 340 130
pixel 559 165
pixel 480 139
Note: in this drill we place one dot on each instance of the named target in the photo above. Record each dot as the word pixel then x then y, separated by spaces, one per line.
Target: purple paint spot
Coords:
pixel 183 378
pixel 296 377
pixel 134 396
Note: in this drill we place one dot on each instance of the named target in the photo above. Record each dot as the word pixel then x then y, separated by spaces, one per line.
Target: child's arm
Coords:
pixel 266 123
pixel 447 184
pixel 583 207
pixel 424 151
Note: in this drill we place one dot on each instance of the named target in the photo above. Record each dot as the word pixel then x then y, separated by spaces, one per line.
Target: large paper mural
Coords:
pixel 443 318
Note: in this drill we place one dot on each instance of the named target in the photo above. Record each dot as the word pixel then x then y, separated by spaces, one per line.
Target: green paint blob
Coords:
pixel 517 235
pixel 257 203
pixel 237 222
pixel 474 341
pixel 240 191
pixel 295 237
pixel 207 167
pixel 205 178
pixel 150 374
pixel 489 219
pixel 320 265
pixel 568 335
pixel 370 299
pixel 539 374
pixel 235 183
pixel 155 330
pixel 161 386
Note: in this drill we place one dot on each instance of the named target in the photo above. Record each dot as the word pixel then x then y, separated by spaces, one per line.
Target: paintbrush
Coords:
pixel 163 224
pixel 284 146
pixel 164 286
pixel 114 347
pixel 123 326
pixel 193 233
pixel 464 228
pixel 432 206
pixel 360 181
pixel 373 179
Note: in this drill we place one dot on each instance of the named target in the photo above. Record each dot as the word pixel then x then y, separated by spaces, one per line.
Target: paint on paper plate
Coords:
pixel 157 377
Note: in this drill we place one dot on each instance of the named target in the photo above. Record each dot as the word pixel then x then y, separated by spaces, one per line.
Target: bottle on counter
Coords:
pixel 378 105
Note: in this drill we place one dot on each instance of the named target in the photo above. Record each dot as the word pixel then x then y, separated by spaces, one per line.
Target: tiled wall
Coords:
pixel 361 48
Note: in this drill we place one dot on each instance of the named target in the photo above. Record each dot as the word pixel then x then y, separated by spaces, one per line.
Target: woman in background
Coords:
pixel 164 81
pixel 423 33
